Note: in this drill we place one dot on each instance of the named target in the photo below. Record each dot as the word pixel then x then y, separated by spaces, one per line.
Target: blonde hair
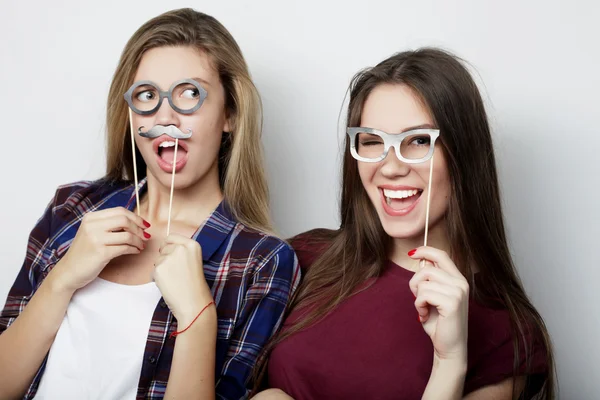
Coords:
pixel 241 171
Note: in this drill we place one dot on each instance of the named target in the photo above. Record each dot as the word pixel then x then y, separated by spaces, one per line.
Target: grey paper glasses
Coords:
pixel 372 145
pixel 185 96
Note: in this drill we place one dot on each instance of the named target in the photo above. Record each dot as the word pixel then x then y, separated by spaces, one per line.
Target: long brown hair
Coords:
pixel 358 250
pixel 241 171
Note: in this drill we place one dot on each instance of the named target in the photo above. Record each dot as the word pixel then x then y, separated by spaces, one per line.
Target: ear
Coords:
pixel 226 125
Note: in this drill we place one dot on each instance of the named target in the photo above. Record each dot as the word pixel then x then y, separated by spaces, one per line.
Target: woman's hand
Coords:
pixel 102 236
pixel 179 275
pixel 442 302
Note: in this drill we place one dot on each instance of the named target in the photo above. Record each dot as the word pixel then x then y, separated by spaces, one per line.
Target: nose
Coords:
pixel 392 167
pixel 165 115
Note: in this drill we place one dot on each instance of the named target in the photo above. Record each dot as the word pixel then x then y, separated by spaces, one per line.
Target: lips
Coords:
pixel 182 145
pixel 399 201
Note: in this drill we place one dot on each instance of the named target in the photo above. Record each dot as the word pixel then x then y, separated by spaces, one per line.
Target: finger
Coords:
pixel 447 290
pixel 175 238
pixel 426 299
pixel 425 263
pixel 165 244
pixel 159 260
pixel 430 273
pixel 439 257
pixel 120 223
pixel 127 238
pixel 122 211
pixel 167 249
pixel 120 250
pixel 446 305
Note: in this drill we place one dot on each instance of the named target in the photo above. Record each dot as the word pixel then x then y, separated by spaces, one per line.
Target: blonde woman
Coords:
pixel 106 304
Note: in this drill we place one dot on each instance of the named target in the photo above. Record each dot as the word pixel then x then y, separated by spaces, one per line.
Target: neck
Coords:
pixel 437 237
pixel 191 205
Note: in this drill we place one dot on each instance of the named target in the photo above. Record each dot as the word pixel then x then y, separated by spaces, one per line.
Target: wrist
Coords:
pixel 56 284
pixel 203 314
pixel 447 378
pixel 450 366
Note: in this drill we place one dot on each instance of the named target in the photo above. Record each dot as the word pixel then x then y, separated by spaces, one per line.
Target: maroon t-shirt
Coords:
pixel 372 346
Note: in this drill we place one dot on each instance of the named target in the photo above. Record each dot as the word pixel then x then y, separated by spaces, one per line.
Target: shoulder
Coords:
pixel 310 245
pixel 263 250
pixel 80 196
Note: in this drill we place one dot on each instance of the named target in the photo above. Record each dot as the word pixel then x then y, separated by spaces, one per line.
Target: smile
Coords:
pixel 400 202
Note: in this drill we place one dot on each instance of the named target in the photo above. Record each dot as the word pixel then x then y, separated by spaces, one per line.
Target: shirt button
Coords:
pixel 163 304
pixel 151 360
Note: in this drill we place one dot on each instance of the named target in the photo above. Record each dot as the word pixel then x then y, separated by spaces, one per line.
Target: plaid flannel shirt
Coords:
pixel 252 277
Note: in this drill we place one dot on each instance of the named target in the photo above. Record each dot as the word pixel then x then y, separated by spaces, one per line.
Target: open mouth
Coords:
pixel 164 146
pixel 401 200
pixel 166 151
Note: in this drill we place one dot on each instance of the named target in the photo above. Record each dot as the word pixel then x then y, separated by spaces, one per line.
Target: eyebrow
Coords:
pixel 196 78
pixel 200 80
pixel 422 126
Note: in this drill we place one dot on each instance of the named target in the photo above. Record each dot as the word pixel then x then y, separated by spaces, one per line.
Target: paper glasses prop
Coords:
pixel 412 147
pixel 145 98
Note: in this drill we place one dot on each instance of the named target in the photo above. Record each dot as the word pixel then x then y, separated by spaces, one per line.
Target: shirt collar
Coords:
pixel 210 234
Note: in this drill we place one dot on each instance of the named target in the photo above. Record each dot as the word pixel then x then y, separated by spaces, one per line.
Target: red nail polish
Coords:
pixel 413 251
pixel 419 318
pixel 147 235
pixel 146 223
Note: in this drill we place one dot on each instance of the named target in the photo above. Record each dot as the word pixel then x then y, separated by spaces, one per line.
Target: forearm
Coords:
pixel 446 381
pixel 192 373
pixel 26 342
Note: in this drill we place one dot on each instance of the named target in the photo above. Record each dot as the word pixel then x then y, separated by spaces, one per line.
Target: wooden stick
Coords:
pixel 135 176
pixel 172 184
pixel 428 202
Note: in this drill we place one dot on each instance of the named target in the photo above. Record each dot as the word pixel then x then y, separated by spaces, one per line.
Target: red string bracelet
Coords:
pixel 191 323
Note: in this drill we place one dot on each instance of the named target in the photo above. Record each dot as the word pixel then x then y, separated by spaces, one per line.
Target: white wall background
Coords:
pixel 539 61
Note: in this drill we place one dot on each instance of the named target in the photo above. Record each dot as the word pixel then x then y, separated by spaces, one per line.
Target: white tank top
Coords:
pixel 99 348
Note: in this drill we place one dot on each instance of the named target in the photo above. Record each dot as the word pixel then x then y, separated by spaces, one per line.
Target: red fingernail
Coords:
pixel 418 318
pixel 146 223
pixel 147 235
pixel 413 251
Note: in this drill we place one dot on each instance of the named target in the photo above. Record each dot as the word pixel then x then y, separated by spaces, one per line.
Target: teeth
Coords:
pixel 398 194
pixel 167 144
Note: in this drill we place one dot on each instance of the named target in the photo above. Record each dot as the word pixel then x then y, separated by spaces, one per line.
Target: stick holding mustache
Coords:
pixel 175 133
pixel 172 185
pixel 135 176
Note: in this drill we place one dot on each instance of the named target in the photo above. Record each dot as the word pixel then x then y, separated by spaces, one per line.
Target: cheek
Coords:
pixel 143 144
pixel 204 146
pixel 367 171
pixel 441 188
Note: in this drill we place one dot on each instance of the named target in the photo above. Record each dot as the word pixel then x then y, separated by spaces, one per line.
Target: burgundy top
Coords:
pixel 372 346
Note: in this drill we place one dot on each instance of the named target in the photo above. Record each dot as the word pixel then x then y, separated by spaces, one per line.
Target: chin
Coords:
pixel 182 180
pixel 406 227
pixel 400 230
